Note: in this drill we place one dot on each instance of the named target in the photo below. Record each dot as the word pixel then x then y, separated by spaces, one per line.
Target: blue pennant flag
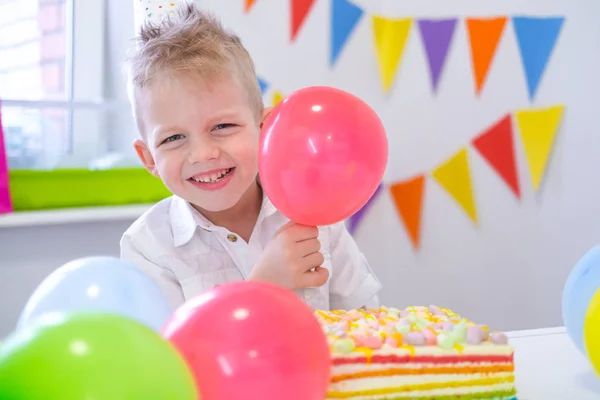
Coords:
pixel 536 37
pixel 263 85
pixel 344 17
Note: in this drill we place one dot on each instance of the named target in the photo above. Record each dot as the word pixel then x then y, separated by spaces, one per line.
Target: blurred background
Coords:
pixel 464 239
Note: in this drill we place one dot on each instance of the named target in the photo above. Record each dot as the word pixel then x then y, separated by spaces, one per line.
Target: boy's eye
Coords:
pixel 222 126
pixel 173 138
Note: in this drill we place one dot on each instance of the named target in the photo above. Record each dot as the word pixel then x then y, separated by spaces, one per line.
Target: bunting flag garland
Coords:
pixel 484 36
pixel 437 36
pixel 357 217
pixel 408 198
pixel 299 10
pixel 454 175
pixel 496 145
pixel 538 129
pixel 248 5
pixel 390 38
pixel 344 18
pixel 536 38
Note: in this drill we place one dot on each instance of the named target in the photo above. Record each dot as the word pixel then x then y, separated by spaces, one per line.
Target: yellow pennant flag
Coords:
pixel 277 97
pixel 390 39
pixel 538 128
pixel 454 176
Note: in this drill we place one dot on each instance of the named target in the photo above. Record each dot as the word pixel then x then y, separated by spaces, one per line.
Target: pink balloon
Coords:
pixel 252 340
pixel 323 153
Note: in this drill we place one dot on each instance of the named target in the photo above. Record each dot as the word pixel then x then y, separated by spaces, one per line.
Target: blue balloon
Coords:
pixel 582 283
pixel 99 284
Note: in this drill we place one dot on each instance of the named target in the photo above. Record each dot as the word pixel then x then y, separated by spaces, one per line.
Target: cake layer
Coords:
pixel 408 383
pixel 476 386
pixel 362 371
pixel 492 392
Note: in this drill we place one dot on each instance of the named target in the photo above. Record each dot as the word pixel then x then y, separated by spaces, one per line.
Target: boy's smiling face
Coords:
pixel 200 138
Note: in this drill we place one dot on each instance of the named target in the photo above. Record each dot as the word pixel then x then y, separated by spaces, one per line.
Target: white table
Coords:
pixel 548 366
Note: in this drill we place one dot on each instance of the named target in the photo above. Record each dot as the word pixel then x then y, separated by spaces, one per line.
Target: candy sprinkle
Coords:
pixel 387 328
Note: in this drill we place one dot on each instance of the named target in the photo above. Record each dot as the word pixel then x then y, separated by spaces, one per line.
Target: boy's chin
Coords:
pixel 213 206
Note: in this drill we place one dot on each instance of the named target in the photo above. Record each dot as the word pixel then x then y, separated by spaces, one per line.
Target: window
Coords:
pixel 52 82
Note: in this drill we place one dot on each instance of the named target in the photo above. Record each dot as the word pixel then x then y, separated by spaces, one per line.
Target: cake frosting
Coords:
pixel 420 353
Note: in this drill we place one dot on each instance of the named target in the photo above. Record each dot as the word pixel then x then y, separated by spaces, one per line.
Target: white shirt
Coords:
pixel 186 255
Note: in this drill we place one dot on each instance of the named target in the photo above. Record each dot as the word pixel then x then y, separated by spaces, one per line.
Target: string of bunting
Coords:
pixel 536 37
pixel 537 129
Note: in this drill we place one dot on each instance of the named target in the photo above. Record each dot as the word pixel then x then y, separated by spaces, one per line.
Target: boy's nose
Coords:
pixel 203 151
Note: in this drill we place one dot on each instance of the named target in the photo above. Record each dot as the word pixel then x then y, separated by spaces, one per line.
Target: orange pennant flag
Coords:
pixel 454 176
pixel 248 5
pixel 408 198
pixel 484 35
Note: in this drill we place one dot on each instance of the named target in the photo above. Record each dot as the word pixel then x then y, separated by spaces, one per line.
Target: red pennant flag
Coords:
pixel 408 198
pixel 496 145
pixel 299 11
pixel 248 5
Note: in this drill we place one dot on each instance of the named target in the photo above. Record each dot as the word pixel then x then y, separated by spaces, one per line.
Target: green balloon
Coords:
pixel 92 356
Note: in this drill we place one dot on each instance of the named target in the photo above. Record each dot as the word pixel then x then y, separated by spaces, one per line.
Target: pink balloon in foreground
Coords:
pixel 251 340
pixel 323 153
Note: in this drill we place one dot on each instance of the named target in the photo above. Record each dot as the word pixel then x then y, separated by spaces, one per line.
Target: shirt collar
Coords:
pixel 185 219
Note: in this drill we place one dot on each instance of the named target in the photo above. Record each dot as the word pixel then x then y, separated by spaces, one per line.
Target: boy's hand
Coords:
pixel 292 259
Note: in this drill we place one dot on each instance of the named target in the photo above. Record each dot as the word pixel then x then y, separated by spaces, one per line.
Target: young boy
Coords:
pixel 199 110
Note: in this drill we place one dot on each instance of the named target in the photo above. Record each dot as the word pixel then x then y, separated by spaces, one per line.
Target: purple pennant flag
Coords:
pixel 355 219
pixel 437 35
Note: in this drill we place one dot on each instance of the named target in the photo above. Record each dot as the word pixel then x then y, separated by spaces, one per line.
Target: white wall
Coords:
pixel 509 270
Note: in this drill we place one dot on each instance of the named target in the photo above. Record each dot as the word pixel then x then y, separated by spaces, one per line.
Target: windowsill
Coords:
pixel 72 216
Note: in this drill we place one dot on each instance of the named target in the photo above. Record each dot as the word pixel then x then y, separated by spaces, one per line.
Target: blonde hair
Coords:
pixel 191 41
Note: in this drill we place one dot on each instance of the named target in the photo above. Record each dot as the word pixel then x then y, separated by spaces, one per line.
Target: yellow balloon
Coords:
pixel 591 331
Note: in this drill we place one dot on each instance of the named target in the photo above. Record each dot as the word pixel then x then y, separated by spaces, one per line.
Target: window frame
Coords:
pixel 85 102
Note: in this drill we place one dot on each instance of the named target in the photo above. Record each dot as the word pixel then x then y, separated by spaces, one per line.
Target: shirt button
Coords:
pixel 232 238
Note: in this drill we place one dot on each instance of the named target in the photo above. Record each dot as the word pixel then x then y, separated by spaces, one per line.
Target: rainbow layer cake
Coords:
pixel 417 353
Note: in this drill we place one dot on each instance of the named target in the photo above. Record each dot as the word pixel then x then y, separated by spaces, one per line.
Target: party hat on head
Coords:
pixel 153 11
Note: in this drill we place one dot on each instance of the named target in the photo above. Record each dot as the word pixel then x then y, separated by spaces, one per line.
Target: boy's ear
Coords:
pixel 265 114
pixel 145 156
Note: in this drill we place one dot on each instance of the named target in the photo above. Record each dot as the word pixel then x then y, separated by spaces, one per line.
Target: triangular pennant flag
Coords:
pixel 355 219
pixel 484 35
pixel 536 38
pixel 263 85
pixel 248 5
pixel 390 39
pixel 344 17
pixel 454 176
pixel 299 11
pixel 277 97
pixel 437 36
pixel 538 128
pixel 408 198
pixel 496 145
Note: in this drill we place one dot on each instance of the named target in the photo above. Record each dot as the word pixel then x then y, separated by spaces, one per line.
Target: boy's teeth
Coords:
pixel 213 177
